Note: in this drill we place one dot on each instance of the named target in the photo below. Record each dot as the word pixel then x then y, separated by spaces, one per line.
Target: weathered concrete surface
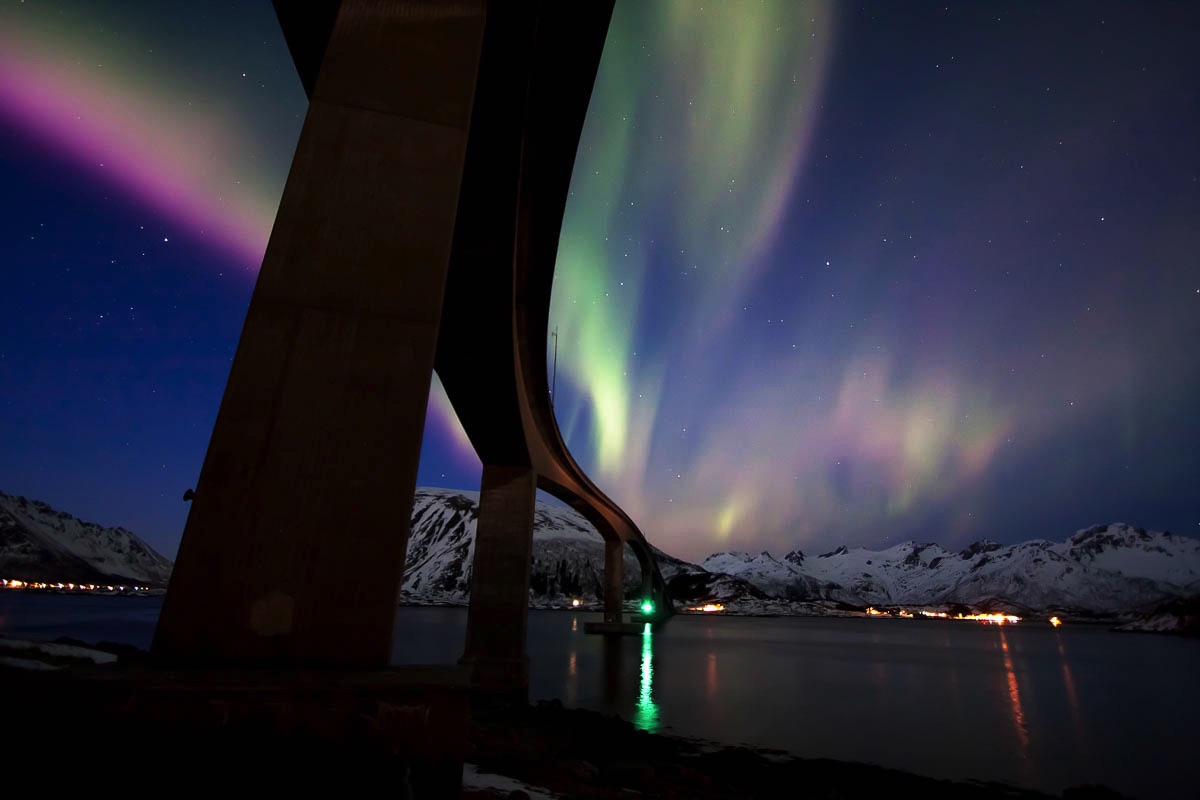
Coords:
pixel 277 730
pixel 294 549
pixel 419 228
pixel 497 619
pixel 614 580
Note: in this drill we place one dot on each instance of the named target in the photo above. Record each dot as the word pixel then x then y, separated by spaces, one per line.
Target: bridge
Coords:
pixel 418 230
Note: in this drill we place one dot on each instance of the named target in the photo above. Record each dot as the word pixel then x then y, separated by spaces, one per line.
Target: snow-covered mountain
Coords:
pixel 568 553
pixel 1103 570
pixel 1112 569
pixel 38 543
pixel 786 578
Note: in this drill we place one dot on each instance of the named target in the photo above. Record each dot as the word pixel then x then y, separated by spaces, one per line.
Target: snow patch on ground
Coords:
pixel 25 663
pixel 474 779
pixel 55 650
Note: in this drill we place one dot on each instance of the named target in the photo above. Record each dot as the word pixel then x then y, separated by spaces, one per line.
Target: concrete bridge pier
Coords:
pixel 654 602
pixel 614 580
pixel 497 618
pixel 294 549
pixel 653 587
pixel 281 606
pixel 614 592
pixel 646 591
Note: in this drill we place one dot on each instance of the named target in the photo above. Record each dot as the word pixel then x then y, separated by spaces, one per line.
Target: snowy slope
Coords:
pixel 1104 569
pixel 1161 557
pixel 787 578
pixel 568 553
pixel 38 543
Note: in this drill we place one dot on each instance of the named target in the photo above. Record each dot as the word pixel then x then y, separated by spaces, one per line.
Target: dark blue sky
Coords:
pixel 830 273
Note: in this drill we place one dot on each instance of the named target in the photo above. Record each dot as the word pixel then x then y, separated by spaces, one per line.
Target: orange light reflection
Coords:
pixel 1014 698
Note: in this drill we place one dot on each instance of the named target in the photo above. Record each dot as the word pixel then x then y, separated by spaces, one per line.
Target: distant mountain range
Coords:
pixel 568 553
pixel 38 543
pixel 1110 570
pixel 1106 569
pixel 1101 571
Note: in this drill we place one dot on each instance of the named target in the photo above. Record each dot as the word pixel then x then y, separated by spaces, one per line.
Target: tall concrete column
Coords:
pixel 497 617
pixel 614 579
pixel 645 571
pixel 652 585
pixel 294 549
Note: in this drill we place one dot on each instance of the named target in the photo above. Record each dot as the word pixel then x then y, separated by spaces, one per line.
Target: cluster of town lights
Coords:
pixel 708 608
pixel 647 607
pixel 12 583
pixel 993 619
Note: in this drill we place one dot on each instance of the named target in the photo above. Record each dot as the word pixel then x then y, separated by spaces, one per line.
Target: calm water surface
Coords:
pixel 1027 704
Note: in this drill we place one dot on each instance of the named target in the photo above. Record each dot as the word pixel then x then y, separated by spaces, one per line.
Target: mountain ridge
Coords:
pixel 1102 570
pixel 40 543
pixel 1115 569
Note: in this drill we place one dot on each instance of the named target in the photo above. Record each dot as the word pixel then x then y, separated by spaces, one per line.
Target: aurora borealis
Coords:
pixel 830 273
pixel 103 109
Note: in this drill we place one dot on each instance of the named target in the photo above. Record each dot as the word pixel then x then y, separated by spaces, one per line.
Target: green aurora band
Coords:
pixel 696 135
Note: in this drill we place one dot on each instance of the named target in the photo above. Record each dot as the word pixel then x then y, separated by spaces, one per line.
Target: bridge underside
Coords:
pixel 418 229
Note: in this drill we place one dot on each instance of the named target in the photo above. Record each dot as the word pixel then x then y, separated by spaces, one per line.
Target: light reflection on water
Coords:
pixel 953 700
pixel 933 697
pixel 571 690
pixel 1018 712
pixel 1072 698
pixel 1014 697
pixel 646 716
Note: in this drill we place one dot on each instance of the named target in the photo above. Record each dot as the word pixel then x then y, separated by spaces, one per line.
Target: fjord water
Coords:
pixel 1025 704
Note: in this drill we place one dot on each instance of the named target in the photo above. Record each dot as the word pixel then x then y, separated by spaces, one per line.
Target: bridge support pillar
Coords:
pixel 294 548
pixel 653 588
pixel 497 617
pixel 614 579
pixel 648 589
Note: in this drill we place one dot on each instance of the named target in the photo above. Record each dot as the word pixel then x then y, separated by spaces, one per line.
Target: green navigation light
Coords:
pixel 647 607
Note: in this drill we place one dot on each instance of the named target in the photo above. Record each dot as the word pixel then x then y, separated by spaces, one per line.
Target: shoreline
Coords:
pixel 578 753
pixel 1186 621
pixel 545 746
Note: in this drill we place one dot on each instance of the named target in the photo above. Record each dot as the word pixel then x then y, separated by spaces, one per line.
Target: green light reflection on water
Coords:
pixel 646 715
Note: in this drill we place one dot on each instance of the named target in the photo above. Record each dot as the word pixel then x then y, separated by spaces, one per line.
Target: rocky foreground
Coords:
pixel 551 750
pixel 573 753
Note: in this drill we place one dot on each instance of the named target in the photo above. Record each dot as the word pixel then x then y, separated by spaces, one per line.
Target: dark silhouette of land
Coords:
pixel 118 725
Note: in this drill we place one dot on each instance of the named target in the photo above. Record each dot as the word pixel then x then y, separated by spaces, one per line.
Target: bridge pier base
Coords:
pixel 498 615
pixel 281 732
pixel 614 593
pixel 294 549
pixel 614 580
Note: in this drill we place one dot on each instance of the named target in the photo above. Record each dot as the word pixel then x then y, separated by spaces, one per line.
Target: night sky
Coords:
pixel 830 273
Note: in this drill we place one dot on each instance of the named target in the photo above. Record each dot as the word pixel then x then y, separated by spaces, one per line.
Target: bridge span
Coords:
pixel 418 230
